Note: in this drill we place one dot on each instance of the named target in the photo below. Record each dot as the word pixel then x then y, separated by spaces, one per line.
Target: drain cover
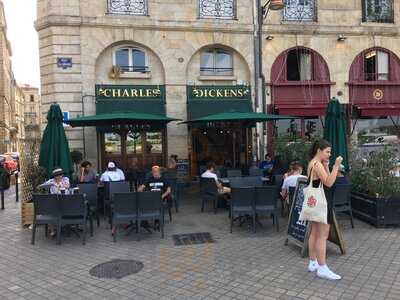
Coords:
pixel 116 268
pixel 192 238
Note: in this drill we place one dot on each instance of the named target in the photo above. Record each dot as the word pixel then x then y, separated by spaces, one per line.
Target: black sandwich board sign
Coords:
pixel 299 231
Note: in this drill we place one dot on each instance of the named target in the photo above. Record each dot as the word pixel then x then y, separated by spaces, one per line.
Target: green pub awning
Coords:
pixel 206 100
pixel 140 105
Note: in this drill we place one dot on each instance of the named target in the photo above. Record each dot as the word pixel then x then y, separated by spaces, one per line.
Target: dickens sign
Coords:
pixel 130 92
pixel 235 92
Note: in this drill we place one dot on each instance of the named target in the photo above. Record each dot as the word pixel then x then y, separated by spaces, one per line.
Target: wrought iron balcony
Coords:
pixel 138 69
pixel 300 11
pixel 217 9
pixel 128 7
pixel 378 11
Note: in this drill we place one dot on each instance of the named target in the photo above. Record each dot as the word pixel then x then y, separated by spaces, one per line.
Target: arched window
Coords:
pixel 216 62
pixel 300 83
pixel 131 59
pixel 376 65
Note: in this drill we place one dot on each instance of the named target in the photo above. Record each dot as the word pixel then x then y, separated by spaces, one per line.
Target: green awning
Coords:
pixel 120 118
pixel 239 117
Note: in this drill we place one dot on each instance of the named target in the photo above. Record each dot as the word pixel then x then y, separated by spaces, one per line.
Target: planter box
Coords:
pixel 26 213
pixel 379 212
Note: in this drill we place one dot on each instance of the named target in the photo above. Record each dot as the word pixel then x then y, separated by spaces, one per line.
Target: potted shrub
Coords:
pixel 375 190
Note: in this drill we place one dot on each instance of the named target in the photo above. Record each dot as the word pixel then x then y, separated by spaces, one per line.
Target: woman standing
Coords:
pixel 318 171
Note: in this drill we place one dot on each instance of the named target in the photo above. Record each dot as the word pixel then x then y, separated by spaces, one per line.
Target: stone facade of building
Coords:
pixel 32 111
pixel 174 33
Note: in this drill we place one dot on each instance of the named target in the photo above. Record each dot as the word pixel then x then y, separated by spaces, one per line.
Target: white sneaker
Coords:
pixel 313 266
pixel 326 273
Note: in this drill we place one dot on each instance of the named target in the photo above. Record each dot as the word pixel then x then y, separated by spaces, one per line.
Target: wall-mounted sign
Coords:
pixel 377 94
pixel 130 92
pixel 65 117
pixel 64 62
pixel 234 92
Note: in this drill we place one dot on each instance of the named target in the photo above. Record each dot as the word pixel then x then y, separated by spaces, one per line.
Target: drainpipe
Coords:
pixel 256 46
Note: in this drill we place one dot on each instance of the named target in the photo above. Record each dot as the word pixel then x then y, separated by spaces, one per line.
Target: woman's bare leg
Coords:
pixel 312 242
pixel 320 243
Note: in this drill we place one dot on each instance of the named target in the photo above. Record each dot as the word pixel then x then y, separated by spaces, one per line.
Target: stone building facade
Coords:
pixel 185 40
pixel 32 111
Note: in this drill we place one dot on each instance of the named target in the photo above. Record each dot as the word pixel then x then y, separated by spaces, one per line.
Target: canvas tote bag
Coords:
pixel 315 207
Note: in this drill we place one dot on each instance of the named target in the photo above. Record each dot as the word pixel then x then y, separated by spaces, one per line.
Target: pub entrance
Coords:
pixel 133 149
pixel 227 147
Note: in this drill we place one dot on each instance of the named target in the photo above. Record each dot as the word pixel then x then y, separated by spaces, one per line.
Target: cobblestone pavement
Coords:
pixel 241 265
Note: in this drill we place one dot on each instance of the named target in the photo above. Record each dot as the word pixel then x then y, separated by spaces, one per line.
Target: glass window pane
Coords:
pixel 153 142
pixel 122 58
pixel 370 66
pixel 207 63
pixel 112 143
pixel 134 143
pixel 139 60
pixel 383 65
pixel 223 63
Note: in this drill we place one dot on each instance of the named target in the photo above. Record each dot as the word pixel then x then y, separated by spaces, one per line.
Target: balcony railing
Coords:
pixel 216 71
pixel 138 69
pixel 381 12
pixel 300 11
pixel 128 7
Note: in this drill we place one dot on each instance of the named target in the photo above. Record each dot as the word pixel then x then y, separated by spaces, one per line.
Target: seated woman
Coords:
pixel 291 180
pixel 58 183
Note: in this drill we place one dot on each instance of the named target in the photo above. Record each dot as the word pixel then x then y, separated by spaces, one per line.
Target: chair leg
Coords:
pixel 351 219
pixel 215 205
pixel 114 233
pixel 91 224
pixel 231 221
pixel 202 205
pixel 277 222
pixel 254 222
pixel 46 232
pixel 170 214
pixel 137 226
pixel 98 219
pixel 58 234
pixel 33 233
pixel 84 232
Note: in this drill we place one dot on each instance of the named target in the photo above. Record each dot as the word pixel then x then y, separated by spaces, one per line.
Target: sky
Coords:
pixel 20 15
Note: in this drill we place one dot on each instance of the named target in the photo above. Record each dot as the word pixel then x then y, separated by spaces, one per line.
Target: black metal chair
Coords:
pixel 110 188
pixel 266 201
pixel 209 192
pixel 173 183
pixel 73 211
pixel 242 204
pixel 46 211
pixel 125 211
pixel 233 173
pixel 150 207
pixel 342 200
pixel 90 190
pixel 256 172
pixel 202 169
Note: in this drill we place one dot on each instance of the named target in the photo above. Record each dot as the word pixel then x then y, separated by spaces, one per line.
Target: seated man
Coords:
pixel 86 175
pixel 156 183
pixel 291 181
pixel 112 173
pixel 210 173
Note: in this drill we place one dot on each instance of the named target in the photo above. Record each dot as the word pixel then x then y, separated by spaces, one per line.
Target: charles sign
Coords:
pixel 130 92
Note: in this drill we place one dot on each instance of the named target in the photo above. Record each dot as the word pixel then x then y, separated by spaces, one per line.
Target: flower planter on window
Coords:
pixel 379 212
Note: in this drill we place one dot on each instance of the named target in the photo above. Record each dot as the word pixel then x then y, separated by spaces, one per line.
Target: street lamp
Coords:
pixel 262 12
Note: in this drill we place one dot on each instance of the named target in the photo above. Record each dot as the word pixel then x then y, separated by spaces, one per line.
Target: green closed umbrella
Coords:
pixel 54 149
pixel 335 131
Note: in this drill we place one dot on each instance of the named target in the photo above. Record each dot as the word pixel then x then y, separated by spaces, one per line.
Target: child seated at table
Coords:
pixel 291 180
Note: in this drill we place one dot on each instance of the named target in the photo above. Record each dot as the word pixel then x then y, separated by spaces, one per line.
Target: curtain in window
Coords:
pixel 305 65
pixel 383 65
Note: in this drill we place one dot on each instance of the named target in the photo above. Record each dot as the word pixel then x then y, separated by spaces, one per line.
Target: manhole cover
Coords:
pixel 116 268
pixel 192 238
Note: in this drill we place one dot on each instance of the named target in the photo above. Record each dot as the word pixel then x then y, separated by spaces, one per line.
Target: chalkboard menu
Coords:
pixel 297 229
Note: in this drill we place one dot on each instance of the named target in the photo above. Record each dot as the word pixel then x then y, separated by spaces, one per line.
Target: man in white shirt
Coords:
pixel 291 181
pixel 112 173
pixel 210 173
